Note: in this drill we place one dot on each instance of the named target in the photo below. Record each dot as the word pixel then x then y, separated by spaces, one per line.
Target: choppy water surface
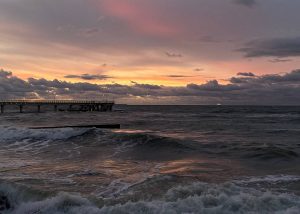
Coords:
pixel 165 159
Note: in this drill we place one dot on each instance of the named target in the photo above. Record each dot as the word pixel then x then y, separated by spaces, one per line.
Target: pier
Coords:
pixel 58 105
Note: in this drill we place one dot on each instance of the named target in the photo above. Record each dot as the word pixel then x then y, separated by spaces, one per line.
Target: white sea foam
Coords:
pixel 272 179
pixel 194 198
pixel 9 165
pixel 13 134
pixel 115 188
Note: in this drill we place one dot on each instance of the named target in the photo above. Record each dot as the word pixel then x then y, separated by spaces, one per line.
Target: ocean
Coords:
pixel 164 159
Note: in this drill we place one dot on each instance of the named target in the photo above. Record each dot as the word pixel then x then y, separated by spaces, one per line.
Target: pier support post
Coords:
pixel 70 107
pixel 39 108
pixel 21 108
pixel 55 108
pixel 2 109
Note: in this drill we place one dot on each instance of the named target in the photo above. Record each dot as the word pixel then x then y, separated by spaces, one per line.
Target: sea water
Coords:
pixel 164 159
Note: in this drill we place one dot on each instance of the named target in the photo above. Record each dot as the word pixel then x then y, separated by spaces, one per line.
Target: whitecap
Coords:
pixel 14 134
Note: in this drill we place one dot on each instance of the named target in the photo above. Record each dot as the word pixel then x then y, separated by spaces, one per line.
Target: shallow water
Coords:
pixel 165 159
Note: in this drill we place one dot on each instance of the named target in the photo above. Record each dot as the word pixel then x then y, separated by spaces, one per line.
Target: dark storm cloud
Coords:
pixel 239 80
pixel 45 85
pixel 289 78
pixel 246 74
pixel 213 85
pixel 248 3
pixel 146 86
pixel 280 47
pixel 266 89
pixel 11 86
pixel 5 73
pixel 88 77
pixel 292 77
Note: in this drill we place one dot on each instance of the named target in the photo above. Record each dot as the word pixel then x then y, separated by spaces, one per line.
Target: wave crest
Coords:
pixel 194 198
pixel 12 134
pixel 272 152
pixel 149 146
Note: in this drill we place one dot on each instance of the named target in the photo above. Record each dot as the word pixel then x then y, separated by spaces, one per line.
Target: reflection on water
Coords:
pixel 162 156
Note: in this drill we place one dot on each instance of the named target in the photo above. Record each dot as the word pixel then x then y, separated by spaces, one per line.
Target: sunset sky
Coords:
pixel 153 51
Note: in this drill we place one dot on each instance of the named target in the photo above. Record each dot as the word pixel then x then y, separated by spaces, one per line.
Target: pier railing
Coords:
pixel 68 102
pixel 73 105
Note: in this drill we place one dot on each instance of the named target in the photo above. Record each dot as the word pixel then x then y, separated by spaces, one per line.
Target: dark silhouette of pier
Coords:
pixel 60 105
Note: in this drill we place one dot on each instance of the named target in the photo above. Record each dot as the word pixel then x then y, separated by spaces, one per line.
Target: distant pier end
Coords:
pixel 58 105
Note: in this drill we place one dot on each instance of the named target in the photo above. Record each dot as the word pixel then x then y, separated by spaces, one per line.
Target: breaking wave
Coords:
pixel 12 134
pixel 255 150
pixel 144 141
pixel 196 197
pixel 271 179
pixel 252 151
pixel 148 140
pixel 272 152
pixel 148 145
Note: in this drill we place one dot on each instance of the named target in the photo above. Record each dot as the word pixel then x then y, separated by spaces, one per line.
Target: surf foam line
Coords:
pixel 194 198
pixel 272 179
pixel 13 134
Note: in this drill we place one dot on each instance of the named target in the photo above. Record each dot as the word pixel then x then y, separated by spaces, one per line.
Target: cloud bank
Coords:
pixel 240 90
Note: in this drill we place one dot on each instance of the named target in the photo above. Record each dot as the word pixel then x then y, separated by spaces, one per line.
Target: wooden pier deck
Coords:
pixel 60 105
